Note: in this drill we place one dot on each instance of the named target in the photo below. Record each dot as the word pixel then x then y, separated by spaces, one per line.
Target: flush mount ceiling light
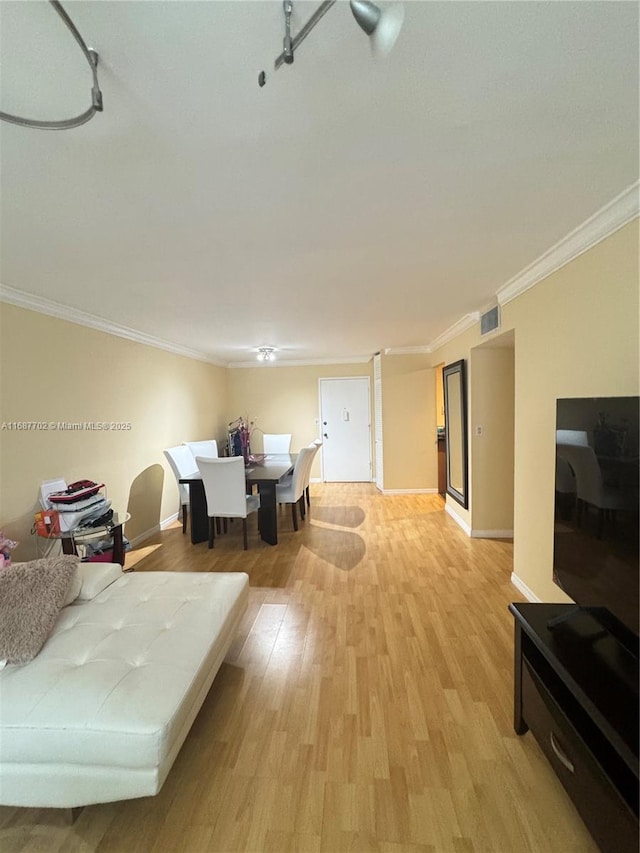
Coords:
pixel 96 95
pixel 266 353
pixel 381 25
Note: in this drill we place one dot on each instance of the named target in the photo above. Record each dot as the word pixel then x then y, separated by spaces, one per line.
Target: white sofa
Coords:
pixel 101 712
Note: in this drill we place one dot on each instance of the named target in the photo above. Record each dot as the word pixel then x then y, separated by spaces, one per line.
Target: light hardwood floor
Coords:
pixel 366 704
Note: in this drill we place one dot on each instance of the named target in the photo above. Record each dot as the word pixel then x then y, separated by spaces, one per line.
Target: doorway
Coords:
pixel 345 420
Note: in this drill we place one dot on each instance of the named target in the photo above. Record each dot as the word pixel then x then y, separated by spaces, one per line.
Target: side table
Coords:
pixel 69 538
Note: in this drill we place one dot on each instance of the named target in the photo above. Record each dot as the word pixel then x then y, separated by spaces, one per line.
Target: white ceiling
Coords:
pixel 350 205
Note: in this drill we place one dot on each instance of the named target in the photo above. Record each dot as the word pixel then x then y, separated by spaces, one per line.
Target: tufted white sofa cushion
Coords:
pixel 101 713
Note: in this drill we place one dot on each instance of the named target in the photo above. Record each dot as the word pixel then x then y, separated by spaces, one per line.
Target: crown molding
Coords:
pixel 13 296
pixel 609 219
pixel 357 359
pixel 614 215
pixel 421 350
pixel 458 328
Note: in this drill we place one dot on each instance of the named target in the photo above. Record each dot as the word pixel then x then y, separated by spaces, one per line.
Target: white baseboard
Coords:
pixel 142 537
pixel 408 491
pixel 463 524
pixel 147 534
pixel 524 589
pixel 339 482
pixel 492 534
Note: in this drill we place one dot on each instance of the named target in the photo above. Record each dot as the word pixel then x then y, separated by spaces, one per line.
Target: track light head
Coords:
pixel 366 14
pixel 382 26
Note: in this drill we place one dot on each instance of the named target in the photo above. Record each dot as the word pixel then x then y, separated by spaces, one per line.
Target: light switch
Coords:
pixel 478 430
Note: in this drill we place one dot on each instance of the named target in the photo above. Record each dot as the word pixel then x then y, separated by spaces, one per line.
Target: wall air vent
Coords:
pixel 490 320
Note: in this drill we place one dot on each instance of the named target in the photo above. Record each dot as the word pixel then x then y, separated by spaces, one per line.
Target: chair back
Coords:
pixel 182 463
pixel 276 442
pixel 224 486
pixel 314 447
pixel 301 470
pixel 565 478
pixel 203 448
pixel 572 436
pixel 587 472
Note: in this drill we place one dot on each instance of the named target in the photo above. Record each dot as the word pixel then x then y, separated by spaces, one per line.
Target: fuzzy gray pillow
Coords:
pixel 31 596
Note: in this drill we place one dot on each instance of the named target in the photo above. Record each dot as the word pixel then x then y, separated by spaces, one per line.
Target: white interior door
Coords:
pixel 345 421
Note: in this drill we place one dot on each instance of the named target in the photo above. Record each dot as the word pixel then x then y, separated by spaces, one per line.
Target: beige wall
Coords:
pixel 52 370
pixel 285 399
pixel 576 334
pixel 491 402
pixel 409 423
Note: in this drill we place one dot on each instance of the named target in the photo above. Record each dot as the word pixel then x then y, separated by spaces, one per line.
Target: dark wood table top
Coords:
pixel 271 469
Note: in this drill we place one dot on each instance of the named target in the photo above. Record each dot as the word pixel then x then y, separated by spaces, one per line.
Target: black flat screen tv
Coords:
pixel 595 553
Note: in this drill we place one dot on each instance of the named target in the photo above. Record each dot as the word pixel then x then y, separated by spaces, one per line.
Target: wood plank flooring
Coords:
pixel 365 705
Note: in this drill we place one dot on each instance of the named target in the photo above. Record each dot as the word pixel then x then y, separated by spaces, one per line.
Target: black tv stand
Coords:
pixel 576 689
pixel 604 624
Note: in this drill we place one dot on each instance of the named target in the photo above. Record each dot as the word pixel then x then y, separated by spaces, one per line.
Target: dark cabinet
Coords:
pixel 576 690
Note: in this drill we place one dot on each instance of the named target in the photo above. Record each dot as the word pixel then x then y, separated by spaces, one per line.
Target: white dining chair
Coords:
pixel 292 492
pixel 591 489
pixel 226 492
pixel 203 448
pixel 276 442
pixel 182 463
pixel 572 436
pixel 315 445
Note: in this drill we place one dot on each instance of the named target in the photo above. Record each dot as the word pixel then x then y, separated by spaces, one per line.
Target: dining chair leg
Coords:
pixel 211 532
pixel 218 528
pixel 308 496
pixel 184 518
pixel 224 524
pixel 244 533
pixel 303 511
pixel 294 515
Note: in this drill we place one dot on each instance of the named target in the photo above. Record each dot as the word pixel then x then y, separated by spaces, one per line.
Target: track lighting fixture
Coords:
pixel 96 95
pixel 381 25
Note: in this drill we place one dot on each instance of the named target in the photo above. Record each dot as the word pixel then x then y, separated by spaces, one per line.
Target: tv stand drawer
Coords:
pixel 610 821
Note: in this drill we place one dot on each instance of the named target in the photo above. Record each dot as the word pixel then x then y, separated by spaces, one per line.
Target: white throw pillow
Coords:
pixel 74 589
pixel 95 577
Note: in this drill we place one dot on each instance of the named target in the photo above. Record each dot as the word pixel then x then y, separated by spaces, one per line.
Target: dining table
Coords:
pixel 262 471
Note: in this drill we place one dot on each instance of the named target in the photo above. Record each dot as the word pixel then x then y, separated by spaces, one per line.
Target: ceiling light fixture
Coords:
pixel 266 353
pixel 96 94
pixel 381 25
